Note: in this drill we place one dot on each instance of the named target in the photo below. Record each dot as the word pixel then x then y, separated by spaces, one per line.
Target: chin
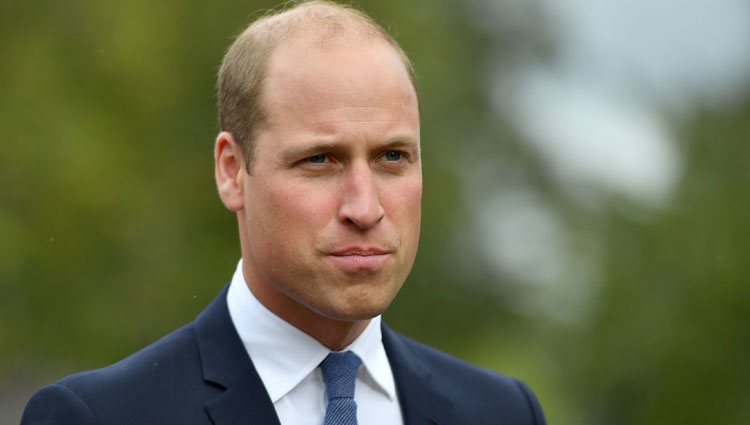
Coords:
pixel 354 311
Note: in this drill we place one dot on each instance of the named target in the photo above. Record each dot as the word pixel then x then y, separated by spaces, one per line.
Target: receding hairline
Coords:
pixel 321 22
pixel 325 20
pixel 326 17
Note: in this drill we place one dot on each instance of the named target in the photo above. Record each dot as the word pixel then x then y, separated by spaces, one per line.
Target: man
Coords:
pixel 319 157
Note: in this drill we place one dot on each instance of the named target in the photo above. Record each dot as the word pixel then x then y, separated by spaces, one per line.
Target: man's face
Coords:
pixel 331 213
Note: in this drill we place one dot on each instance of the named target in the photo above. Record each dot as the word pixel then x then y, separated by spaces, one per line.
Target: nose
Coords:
pixel 360 202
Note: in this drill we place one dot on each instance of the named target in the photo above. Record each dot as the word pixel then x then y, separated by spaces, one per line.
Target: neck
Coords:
pixel 332 333
pixel 335 334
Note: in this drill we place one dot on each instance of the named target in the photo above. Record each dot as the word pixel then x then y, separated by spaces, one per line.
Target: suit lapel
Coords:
pixel 225 363
pixel 245 402
pixel 421 403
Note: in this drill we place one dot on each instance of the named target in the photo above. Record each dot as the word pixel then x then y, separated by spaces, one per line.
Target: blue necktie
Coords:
pixel 339 372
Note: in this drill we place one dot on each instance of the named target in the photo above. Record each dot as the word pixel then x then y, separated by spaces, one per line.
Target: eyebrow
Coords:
pixel 294 152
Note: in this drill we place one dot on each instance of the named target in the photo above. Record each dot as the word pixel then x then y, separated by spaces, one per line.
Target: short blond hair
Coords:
pixel 245 64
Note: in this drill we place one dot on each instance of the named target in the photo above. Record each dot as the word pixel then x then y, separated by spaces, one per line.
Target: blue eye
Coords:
pixel 392 156
pixel 318 159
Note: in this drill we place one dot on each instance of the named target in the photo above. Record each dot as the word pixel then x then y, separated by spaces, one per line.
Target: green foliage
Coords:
pixel 111 233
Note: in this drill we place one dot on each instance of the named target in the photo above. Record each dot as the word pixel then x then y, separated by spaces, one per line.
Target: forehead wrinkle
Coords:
pixel 321 92
pixel 341 86
pixel 310 107
pixel 286 58
pixel 354 121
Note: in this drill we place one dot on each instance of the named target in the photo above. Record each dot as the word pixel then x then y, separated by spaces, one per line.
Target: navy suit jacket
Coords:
pixel 201 374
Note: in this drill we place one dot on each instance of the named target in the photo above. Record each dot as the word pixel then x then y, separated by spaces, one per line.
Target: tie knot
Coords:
pixel 339 373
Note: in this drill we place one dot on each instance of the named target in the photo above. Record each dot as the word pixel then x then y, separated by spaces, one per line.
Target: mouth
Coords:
pixel 362 251
pixel 360 258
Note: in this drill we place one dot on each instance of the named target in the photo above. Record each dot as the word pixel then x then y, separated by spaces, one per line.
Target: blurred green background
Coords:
pixel 586 208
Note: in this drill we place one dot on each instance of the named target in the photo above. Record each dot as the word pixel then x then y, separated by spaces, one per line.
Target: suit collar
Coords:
pixel 421 403
pixel 225 363
pixel 284 356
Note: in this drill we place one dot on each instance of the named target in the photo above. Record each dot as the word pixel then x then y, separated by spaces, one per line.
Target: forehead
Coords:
pixel 309 76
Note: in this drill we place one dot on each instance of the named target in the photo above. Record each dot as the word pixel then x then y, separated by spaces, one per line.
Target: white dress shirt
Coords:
pixel 287 361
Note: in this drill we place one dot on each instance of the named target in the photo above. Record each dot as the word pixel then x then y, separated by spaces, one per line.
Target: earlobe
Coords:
pixel 228 170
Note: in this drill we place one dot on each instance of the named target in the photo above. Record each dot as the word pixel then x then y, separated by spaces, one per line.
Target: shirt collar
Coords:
pixel 283 355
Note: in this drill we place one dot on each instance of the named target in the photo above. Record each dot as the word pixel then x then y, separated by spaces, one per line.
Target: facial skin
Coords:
pixel 329 215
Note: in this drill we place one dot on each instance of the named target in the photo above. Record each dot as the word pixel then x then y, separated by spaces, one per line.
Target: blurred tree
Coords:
pixel 111 233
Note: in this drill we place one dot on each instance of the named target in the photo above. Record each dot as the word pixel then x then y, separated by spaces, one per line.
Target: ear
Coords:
pixel 229 169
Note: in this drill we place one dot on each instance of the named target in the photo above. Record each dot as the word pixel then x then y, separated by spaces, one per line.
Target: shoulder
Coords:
pixel 449 366
pixel 143 371
pixel 56 404
pixel 476 393
pixel 103 395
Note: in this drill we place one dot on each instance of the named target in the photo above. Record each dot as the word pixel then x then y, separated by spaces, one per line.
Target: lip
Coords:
pixel 360 258
pixel 362 251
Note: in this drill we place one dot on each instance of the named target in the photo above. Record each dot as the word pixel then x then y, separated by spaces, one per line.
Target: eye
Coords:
pixel 392 156
pixel 318 159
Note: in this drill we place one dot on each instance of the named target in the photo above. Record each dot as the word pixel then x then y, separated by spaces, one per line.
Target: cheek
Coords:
pixel 411 193
pixel 404 203
pixel 415 195
pixel 297 210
